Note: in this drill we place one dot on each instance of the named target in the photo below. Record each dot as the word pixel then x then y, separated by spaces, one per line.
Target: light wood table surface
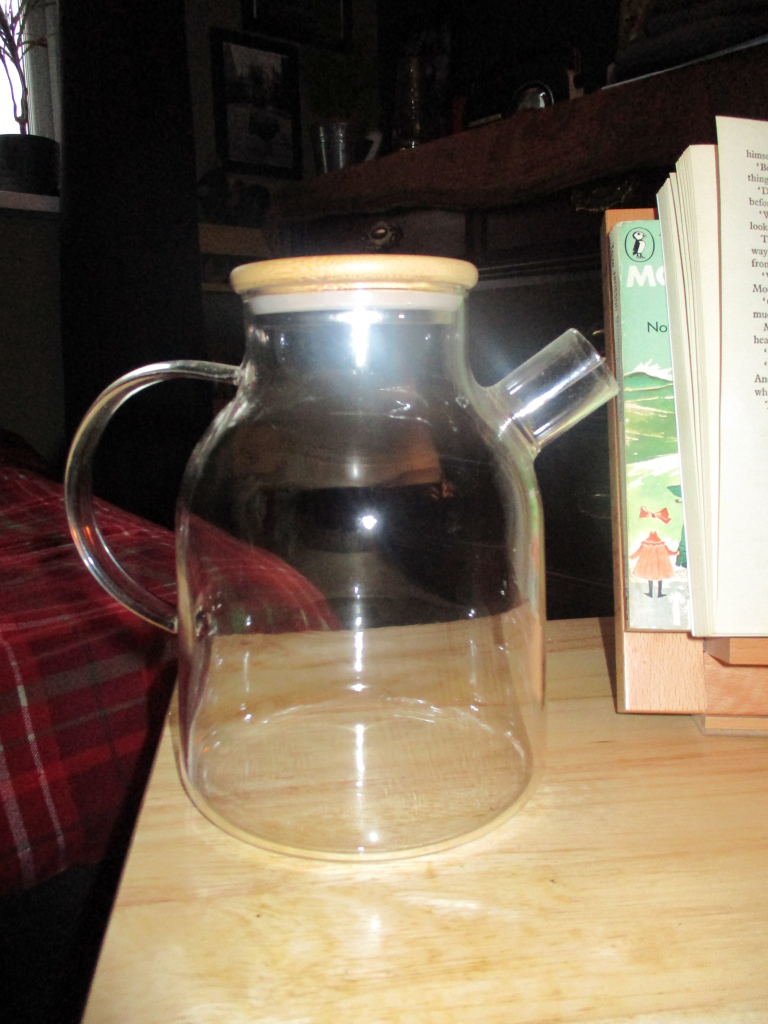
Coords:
pixel 632 887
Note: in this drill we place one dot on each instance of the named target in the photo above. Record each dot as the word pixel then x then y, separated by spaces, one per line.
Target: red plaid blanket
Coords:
pixel 84 683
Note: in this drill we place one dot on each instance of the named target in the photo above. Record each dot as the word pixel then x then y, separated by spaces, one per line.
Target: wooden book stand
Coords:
pixel 721 680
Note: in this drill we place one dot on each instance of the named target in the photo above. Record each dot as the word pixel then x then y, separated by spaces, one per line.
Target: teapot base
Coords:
pixel 395 779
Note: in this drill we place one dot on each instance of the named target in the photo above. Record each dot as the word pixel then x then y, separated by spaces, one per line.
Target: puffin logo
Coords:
pixel 639 245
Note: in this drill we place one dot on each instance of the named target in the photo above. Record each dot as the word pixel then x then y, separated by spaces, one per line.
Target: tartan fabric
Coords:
pixel 84 683
pixel 259 592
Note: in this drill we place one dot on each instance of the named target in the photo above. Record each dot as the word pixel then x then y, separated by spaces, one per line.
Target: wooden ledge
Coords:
pixel 738 650
pixel 642 124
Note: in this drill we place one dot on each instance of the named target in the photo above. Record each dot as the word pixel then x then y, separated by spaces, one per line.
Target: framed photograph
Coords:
pixel 325 23
pixel 256 104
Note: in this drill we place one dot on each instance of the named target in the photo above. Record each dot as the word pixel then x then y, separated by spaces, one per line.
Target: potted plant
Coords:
pixel 28 163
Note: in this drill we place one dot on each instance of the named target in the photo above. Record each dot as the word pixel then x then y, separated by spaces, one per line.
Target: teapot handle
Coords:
pixel 78 493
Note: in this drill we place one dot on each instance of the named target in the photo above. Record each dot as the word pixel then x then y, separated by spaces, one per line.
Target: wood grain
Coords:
pixel 738 650
pixel 720 725
pixel 663 673
pixel 331 273
pixel 630 888
pixel 641 124
pixel 735 689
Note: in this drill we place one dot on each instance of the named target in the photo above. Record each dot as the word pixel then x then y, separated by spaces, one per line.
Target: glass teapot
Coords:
pixel 359 559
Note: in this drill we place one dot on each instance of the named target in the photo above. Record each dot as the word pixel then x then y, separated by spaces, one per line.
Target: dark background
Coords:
pixel 130 286
pixel 495 46
pixel 130 290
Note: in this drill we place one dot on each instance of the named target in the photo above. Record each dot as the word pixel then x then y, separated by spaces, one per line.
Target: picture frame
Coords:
pixel 257 113
pixel 324 23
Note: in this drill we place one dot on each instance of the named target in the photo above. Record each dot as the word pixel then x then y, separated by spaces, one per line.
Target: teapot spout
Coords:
pixel 554 389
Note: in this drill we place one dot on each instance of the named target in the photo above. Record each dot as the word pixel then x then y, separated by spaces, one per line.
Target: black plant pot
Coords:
pixel 29 163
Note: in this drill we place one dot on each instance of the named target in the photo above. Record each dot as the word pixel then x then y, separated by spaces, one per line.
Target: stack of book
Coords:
pixel 686 299
pixel 713 213
pixel 690 323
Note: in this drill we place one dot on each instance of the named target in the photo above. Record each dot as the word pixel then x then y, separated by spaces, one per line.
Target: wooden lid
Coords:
pixel 345 273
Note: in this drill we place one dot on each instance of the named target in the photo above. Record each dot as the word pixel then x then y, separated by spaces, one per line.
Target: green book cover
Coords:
pixel 656 573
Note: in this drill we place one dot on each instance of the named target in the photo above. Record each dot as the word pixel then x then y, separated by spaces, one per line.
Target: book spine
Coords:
pixel 655 567
pixel 618 374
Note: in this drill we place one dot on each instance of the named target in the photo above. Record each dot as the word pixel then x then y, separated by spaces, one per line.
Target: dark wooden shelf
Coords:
pixel 29 202
pixel 642 124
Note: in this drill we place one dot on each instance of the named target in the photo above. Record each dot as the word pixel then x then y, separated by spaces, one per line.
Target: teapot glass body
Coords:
pixel 359 549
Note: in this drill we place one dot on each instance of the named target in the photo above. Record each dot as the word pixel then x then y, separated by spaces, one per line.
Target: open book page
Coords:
pixel 691 198
pixel 696 555
pixel 686 318
pixel 742 579
pixel 697 179
pixel 683 215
